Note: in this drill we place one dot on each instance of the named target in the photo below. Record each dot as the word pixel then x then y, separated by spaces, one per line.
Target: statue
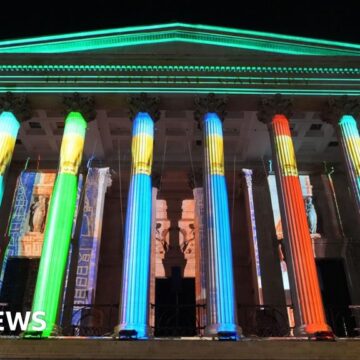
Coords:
pixel 161 238
pixel 311 214
pixel 188 239
pixel 38 211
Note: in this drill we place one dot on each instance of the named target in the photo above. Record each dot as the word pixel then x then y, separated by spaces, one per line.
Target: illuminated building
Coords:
pixel 228 206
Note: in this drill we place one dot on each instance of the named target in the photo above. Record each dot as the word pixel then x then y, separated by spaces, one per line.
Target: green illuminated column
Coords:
pixel 342 114
pixel 59 222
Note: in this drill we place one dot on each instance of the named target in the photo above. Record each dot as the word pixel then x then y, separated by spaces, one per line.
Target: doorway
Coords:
pixel 18 287
pixel 175 306
pixel 335 295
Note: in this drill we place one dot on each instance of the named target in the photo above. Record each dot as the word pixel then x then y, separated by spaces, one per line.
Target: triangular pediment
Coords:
pixel 238 40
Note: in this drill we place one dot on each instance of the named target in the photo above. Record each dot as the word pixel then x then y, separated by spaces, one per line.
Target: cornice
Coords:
pixel 180 32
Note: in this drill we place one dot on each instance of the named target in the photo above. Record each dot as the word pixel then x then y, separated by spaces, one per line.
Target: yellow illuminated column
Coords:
pixel 342 113
pixel 137 238
pixel 12 109
pixel 220 293
pixel 305 290
pixel 59 223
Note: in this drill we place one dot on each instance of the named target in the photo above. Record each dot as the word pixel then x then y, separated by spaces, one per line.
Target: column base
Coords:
pixel 214 330
pixel 142 331
pixel 312 329
pixel 51 331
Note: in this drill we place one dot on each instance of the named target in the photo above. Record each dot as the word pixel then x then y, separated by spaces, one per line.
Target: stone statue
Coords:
pixel 188 239
pixel 311 214
pixel 37 214
pixel 161 238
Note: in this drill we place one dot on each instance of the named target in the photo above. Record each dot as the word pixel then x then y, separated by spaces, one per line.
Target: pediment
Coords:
pixel 169 36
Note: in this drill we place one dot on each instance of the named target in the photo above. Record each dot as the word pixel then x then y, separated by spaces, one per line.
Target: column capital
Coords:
pixel 17 104
pixel 274 105
pixel 335 108
pixel 195 179
pixel 209 104
pixel 82 104
pixel 144 103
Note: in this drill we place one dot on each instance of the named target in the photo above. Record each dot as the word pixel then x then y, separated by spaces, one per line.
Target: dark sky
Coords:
pixel 332 19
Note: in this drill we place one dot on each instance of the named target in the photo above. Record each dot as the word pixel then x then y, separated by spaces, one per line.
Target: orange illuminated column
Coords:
pixel 305 290
pixel 342 113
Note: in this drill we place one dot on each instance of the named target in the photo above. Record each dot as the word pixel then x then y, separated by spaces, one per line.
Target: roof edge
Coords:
pixel 14 46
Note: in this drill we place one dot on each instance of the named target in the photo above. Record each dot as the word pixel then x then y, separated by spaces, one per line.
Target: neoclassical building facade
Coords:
pixel 180 180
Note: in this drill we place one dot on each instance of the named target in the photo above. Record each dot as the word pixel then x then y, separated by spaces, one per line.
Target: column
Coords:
pixel 254 248
pixel 221 303
pixel 155 189
pixel 305 290
pixel 136 266
pixel 271 276
pixel 341 113
pixel 196 184
pixel 12 109
pixel 60 219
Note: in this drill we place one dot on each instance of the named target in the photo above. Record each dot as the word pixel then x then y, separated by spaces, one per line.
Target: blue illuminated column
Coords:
pixel 341 113
pixel 136 264
pixel 221 310
pixel 9 128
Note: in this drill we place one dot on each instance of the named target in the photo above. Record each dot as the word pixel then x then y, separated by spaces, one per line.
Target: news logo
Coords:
pixel 15 320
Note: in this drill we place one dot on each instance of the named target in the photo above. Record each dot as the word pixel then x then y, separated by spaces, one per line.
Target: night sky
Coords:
pixel 333 20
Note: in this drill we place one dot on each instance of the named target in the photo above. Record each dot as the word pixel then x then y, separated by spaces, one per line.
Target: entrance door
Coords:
pixel 18 286
pixel 175 308
pixel 335 295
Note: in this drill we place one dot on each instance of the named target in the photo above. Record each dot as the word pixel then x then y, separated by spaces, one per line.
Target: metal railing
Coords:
pixel 265 320
pixel 90 320
pixel 173 320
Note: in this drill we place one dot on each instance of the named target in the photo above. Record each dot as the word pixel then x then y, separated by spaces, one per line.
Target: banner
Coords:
pixel 97 182
pixel 28 215
pixel 201 233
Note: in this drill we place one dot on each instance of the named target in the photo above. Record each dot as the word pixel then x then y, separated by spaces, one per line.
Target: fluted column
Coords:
pixel 342 113
pixel 196 184
pixel 221 310
pixel 254 248
pixel 13 109
pixel 59 223
pixel 305 290
pixel 136 264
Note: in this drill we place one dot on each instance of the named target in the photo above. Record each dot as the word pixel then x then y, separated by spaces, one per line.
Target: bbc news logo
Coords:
pixel 17 319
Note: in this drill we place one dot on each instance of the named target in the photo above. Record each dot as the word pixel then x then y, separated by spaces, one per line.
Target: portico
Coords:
pixel 212 106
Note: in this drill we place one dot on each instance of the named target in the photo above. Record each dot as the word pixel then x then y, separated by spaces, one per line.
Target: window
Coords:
pixel 315 127
pixel 34 125
pixel 333 144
